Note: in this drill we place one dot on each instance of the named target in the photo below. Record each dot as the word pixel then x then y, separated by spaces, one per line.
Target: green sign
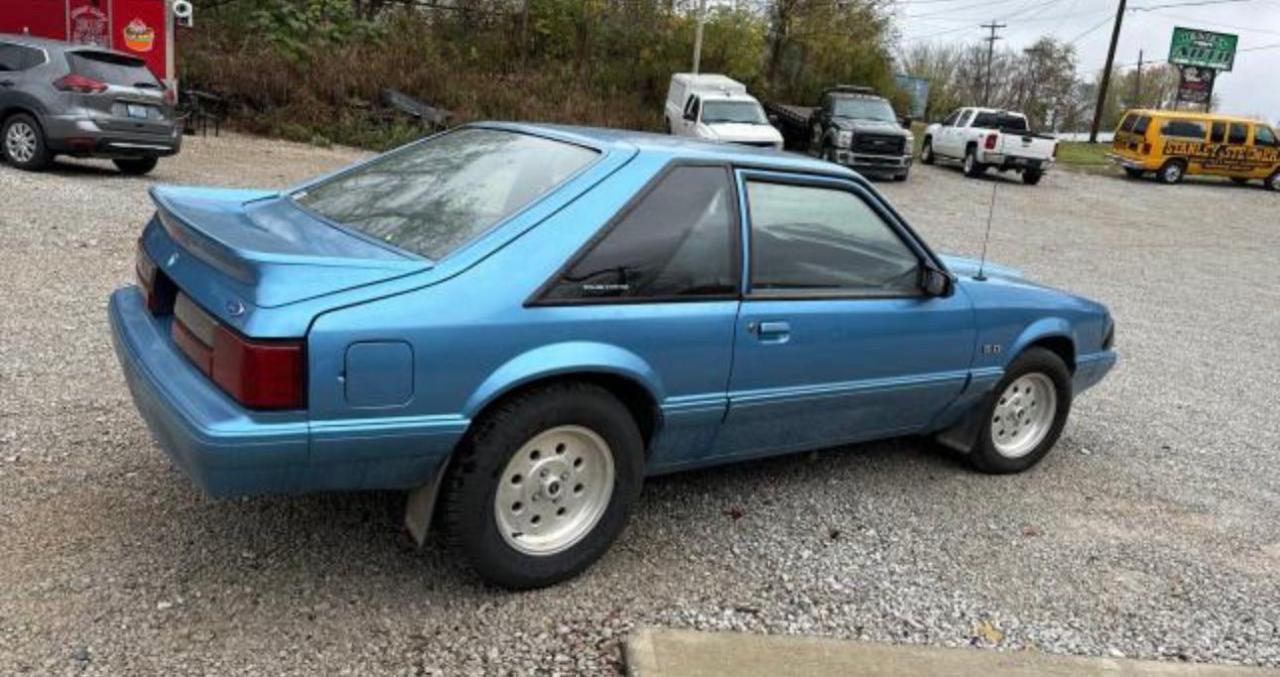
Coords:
pixel 1203 49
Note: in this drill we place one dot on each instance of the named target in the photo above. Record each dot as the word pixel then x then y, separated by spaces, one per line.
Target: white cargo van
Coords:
pixel 717 108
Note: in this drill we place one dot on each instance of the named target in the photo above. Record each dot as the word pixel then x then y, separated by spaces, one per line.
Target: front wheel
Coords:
pixel 1026 415
pixel 544 484
pixel 926 152
pixel 972 168
pixel 1032 177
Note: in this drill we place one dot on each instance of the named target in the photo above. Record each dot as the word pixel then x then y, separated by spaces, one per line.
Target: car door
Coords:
pixel 946 134
pixel 660 284
pixel 836 340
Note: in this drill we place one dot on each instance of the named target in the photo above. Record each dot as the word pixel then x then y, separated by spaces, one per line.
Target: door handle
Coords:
pixel 771 331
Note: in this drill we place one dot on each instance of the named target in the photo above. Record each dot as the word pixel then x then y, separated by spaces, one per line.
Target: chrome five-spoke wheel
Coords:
pixel 1024 415
pixel 554 490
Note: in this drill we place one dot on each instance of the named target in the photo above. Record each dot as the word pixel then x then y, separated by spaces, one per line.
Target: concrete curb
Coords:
pixel 654 652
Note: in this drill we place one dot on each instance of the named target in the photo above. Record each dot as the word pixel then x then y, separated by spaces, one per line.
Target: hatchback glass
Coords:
pixel 113 69
pixel 434 196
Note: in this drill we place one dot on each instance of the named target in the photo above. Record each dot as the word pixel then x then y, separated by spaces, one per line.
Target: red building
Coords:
pixel 143 28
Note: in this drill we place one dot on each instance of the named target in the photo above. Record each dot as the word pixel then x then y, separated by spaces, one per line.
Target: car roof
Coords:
pixel 675 147
pixel 1194 115
pixel 57 45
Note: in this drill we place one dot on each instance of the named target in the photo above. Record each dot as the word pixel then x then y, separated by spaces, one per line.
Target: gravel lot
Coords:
pixel 1150 532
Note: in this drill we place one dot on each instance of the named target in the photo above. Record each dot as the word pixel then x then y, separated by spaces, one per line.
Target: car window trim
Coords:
pixel 924 257
pixel 539 298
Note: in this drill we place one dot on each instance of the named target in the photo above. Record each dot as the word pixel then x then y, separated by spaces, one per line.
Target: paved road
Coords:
pixel 1150 532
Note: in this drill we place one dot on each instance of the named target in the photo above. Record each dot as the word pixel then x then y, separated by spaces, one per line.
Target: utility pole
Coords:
pixel 991 51
pixel 1137 85
pixel 697 38
pixel 1106 75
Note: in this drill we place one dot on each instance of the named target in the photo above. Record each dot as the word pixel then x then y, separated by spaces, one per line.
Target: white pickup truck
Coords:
pixel 985 138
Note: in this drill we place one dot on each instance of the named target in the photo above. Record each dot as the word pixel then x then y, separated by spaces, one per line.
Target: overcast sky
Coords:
pixel 1252 88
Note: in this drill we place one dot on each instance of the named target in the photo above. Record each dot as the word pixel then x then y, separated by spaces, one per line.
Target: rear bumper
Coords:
pixel 228 450
pixel 84 137
pixel 1125 162
pixel 219 445
pixel 1006 162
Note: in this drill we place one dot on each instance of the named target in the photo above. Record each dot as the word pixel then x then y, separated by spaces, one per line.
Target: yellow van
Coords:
pixel 1175 143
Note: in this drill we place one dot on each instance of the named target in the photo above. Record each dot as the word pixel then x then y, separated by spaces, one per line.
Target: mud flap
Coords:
pixel 421 506
pixel 964 434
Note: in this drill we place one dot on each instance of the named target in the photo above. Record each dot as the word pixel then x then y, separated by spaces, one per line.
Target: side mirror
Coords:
pixel 906 121
pixel 937 283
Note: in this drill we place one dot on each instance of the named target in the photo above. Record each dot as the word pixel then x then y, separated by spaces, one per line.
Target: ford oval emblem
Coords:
pixel 235 308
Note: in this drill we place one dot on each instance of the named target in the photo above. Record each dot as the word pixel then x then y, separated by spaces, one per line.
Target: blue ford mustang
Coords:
pixel 518 323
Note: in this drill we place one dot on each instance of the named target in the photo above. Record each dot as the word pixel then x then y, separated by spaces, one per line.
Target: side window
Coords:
pixel 1140 127
pixel 688 105
pixel 1263 136
pixel 677 241
pixel 950 120
pixel 695 107
pixel 1126 125
pixel 1188 129
pixel 827 239
pixel 1219 132
pixel 19 58
pixel 1239 134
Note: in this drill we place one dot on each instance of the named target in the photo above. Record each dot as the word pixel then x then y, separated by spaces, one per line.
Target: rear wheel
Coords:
pixel 1027 414
pixel 973 168
pixel 1133 172
pixel 544 484
pixel 1239 181
pixel 926 152
pixel 1273 182
pixel 1031 177
pixel 136 166
pixel 24 144
pixel 1172 172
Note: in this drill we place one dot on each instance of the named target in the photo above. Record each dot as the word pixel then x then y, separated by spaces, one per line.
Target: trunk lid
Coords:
pixel 238 251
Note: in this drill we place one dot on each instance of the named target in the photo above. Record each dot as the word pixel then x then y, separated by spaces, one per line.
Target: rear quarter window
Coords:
pixel 434 196
pixel 112 69
pixel 1127 124
pixel 1141 124
pixel 19 58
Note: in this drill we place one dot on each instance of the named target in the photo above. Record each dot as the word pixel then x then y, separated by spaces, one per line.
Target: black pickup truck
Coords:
pixel 852 126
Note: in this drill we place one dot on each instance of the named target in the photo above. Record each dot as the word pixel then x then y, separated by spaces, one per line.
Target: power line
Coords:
pixel 1195 3
pixel 1090 29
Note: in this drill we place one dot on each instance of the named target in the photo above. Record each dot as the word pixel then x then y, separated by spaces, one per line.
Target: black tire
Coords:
pixel 985 456
pixel 1133 172
pixel 1239 181
pixel 1273 181
pixel 829 152
pixel 136 167
pixel 26 126
pixel 926 152
pixel 1032 177
pixel 471 487
pixel 972 168
pixel 1172 172
pixel 903 176
pixel 666 123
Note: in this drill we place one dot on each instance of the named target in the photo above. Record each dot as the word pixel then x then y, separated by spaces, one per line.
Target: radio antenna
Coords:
pixel 982 264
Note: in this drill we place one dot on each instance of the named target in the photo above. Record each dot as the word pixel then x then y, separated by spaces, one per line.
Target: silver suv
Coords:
pixel 62 99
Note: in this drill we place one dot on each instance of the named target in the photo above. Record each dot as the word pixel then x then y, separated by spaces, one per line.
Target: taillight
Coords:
pixel 1146 148
pixel 990 143
pixel 79 84
pixel 157 288
pixel 258 374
